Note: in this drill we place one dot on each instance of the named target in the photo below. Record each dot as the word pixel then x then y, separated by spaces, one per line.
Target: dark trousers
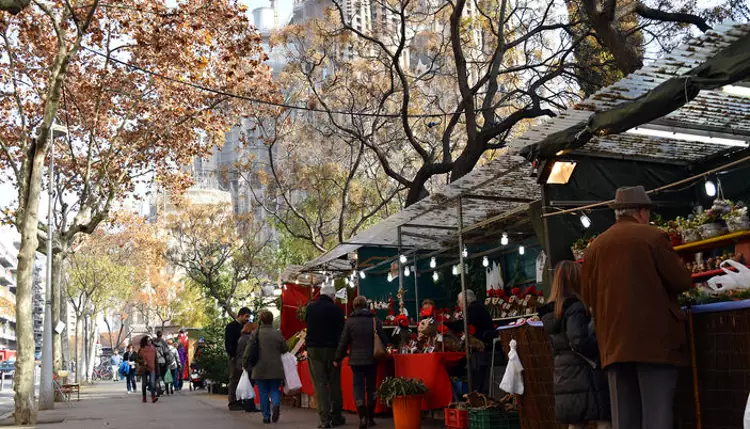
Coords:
pixel 130 381
pixel 480 371
pixel 327 381
pixel 234 380
pixel 642 395
pixel 161 370
pixel 147 383
pixel 365 382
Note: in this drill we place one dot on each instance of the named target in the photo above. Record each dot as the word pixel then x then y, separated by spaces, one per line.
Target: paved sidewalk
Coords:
pixel 106 405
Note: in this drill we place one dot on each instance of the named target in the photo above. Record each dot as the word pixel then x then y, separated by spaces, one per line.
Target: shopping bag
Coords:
pixel 746 419
pixel 168 377
pixel 292 383
pixel 513 379
pixel 730 280
pixel 245 389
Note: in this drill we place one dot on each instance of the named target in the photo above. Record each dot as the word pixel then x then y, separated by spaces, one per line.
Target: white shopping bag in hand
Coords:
pixel 746 420
pixel 513 379
pixel 292 383
pixel 245 389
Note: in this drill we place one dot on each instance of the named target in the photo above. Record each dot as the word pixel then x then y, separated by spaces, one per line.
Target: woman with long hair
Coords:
pixel 147 367
pixel 243 345
pixel 358 337
pixel 581 390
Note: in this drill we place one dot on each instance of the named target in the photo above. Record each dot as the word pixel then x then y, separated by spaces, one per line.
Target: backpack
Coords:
pixel 161 358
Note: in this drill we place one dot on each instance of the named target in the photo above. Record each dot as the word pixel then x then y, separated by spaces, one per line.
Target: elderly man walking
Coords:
pixel 631 279
pixel 325 322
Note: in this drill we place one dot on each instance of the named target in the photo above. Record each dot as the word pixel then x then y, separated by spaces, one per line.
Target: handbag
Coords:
pixel 378 349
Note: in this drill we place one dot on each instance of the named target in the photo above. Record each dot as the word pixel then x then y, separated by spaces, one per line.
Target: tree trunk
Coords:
pixel 25 409
pixel 92 347
pixel 65 349
pixel 77 349
pixel 57 310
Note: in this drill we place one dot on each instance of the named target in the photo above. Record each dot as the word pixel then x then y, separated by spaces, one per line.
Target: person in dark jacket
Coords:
pixel 130 357
pixel 581 390
pixel 232 334
pixel 477 316
pixel 325 322
pixel 359 338
pixel 243 344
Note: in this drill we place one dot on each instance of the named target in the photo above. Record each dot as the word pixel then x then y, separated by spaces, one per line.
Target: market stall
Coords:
pixel 680 128
pixel 431 369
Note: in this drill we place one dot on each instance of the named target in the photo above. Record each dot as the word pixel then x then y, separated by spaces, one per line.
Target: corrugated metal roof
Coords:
pixel 710 112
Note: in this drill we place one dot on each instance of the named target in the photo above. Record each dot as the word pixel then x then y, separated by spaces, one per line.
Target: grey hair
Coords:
pixel 470 296
pixel 626 212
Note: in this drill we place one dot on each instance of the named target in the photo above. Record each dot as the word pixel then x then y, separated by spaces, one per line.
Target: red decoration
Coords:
pixel 402 321
pixel 501 293
pixel 490 293
pixel 427 312
pixel 472 330
pixel 442 329
pixel 540 293
pixel 515 291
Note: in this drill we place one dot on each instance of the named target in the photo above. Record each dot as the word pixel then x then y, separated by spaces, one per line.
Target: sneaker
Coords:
pixel 154 399
pixel 276 413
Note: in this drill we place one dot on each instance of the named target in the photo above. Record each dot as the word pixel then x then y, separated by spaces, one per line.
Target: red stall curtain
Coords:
pixel 293 296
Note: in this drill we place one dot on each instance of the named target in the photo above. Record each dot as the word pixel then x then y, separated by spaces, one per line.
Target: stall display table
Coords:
pixel 431 368
pixel 385 368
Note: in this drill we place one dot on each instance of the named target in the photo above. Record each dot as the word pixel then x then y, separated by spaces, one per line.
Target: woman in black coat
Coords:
pixel 359 338
pixel 580 386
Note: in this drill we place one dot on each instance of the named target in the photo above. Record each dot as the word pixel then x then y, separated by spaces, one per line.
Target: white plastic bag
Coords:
pixel 245 389
pixel 291 377
pixel 513 379
pixel 746 419
pixel 730 280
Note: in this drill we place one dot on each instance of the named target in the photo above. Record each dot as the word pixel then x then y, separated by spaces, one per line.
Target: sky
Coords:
pixel 284 7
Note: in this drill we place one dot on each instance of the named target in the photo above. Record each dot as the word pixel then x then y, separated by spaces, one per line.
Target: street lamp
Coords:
pixel 46 388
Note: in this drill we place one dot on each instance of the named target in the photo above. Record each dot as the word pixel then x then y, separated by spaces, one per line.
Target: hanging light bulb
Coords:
pixel 465 253
pixel 504 240
pixel 435 276
pixel 455 270
pixel 390 277
pixel 485 262
pixel 433 262
pixel 585 220
pixel 521 250
pixel 362 275
pixel 407 271
pixel 352 285
pixel 710 188
pixel 402 258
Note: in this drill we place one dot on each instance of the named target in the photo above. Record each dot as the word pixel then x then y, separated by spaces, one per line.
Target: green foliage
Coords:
pixel 393 387
pixel 213 358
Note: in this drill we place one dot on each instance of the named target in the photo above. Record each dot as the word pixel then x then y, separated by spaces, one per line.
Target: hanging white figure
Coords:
pixel 513 379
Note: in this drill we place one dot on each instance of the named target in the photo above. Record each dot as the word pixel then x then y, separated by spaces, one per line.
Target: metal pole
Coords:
pixel 463 289
pixel 416 290
pixel 400 270
pixel 46 391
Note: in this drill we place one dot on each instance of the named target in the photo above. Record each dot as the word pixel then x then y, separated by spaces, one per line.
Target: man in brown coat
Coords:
pixel 631 279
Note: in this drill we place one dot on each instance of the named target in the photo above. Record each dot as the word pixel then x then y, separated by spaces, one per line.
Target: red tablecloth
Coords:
pixel 385 369
pixel 431 369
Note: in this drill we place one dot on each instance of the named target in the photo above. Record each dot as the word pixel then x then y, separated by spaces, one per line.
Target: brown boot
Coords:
pixel 362 413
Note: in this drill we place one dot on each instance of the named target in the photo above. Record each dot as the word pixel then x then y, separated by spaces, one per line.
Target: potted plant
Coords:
pixel 672 229
pixel 737 219
pixel 404 396
pixel 579 247
pixel 688 229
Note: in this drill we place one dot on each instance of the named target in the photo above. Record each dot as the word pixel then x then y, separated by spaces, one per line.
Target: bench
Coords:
pixel 69 389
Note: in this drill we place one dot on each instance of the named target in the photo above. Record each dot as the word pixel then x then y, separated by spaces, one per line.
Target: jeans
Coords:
pixel 365 380
pixel 172 385
pixel 642 395
pixel 130 381
pixel 327 381
pixel 266 387
pixel 148 379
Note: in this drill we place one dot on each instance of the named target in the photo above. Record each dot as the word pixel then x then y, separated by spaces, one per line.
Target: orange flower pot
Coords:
pixel 407 412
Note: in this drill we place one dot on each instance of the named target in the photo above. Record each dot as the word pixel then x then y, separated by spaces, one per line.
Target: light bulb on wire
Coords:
pixel 435 276
pixel 362 275
pixel 407 271
pixel 710 188
pixel 402 258
pixel 455 270
pixel 465 252
pixel 390 278
pixel 485 262
pixel 585 220
pixel 521 250
pixel 504 240
pixel 433 262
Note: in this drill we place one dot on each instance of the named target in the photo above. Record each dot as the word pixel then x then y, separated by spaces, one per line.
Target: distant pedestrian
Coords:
pixel 358 338
pixel 116 361
pixel 325 322
pixel 162 360
pixel 581 390
pixel 185 343
pixel 232 334
pixel 146 367
pixel 182 375
pixel 130 357
pixel 174 366
pixel 268 372
pixel 631 278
